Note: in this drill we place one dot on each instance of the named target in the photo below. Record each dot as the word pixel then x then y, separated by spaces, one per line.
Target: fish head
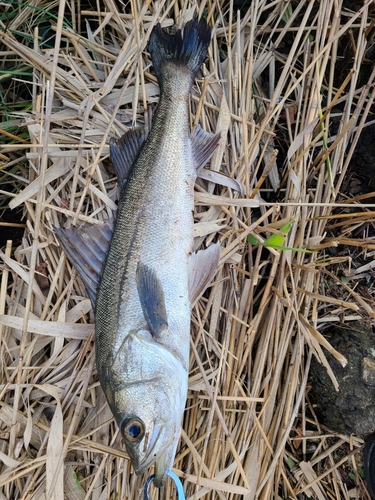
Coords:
pixel 147 397
pixel 151 442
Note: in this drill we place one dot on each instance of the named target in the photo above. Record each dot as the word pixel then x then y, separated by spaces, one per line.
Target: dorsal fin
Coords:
pixel 125 151
pixel 86 247
pixel 204 145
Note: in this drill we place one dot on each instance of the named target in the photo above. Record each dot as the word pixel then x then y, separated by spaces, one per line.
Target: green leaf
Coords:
pixel 78 484
pixel 291 463
pixel 286 228
pixel 274 240
pixel 287 14
pixel 277 239
pixel 251 239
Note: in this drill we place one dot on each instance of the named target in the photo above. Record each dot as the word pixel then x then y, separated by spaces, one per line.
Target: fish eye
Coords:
pixel 133 429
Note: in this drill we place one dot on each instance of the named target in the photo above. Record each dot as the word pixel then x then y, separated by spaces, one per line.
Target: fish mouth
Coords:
pixel 162 465
pixel 162 459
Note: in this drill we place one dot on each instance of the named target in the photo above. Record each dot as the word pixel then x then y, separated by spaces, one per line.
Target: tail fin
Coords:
pixel 188 50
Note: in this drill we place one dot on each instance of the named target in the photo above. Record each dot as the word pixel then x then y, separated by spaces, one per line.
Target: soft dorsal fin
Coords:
pixel 125 151
pixel 151 296
pixel 202 269
pixel 86 247
pixel 204 145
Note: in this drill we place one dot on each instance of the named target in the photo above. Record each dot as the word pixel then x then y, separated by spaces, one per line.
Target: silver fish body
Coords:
pixel 143 376
pixel 150 276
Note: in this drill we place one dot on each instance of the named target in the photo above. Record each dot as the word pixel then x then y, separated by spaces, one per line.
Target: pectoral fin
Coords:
pixel 151 296
pixel 202 268
pixel 125 151
pixel 86 247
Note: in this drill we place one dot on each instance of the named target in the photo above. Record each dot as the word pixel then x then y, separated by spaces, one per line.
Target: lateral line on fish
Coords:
pixel 144 381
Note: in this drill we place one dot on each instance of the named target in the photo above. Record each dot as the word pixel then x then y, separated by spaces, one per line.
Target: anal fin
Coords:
pixel 202 269
pixel 151 296
pixel 222 179
pixel 204 145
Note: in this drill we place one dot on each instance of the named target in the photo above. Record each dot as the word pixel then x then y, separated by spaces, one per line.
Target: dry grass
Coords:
pixel 270 83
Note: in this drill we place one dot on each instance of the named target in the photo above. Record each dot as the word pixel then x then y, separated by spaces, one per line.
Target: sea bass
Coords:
pixel 139 270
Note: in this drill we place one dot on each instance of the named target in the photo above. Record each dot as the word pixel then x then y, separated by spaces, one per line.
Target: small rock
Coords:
pixel 368 371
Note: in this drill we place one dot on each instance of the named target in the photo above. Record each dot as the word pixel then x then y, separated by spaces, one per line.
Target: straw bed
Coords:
pixel 273 85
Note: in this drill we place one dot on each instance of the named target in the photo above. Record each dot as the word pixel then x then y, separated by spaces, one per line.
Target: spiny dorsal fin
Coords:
pixel 151 296
pixel 204 145
pixel 202 269
pixel 86 247
pixel 125 151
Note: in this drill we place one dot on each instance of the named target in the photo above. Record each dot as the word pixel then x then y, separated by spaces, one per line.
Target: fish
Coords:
pixel 139 268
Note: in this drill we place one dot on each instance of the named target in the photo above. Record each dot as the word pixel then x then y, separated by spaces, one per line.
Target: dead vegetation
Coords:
pixel 270 85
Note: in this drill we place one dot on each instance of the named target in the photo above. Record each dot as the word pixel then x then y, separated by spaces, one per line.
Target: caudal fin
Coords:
pixel 188 50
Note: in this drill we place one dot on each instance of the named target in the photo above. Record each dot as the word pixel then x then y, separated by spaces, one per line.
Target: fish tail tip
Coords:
pixel 188 49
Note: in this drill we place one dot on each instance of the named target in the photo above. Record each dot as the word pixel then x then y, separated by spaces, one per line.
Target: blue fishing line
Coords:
pixel 177 482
